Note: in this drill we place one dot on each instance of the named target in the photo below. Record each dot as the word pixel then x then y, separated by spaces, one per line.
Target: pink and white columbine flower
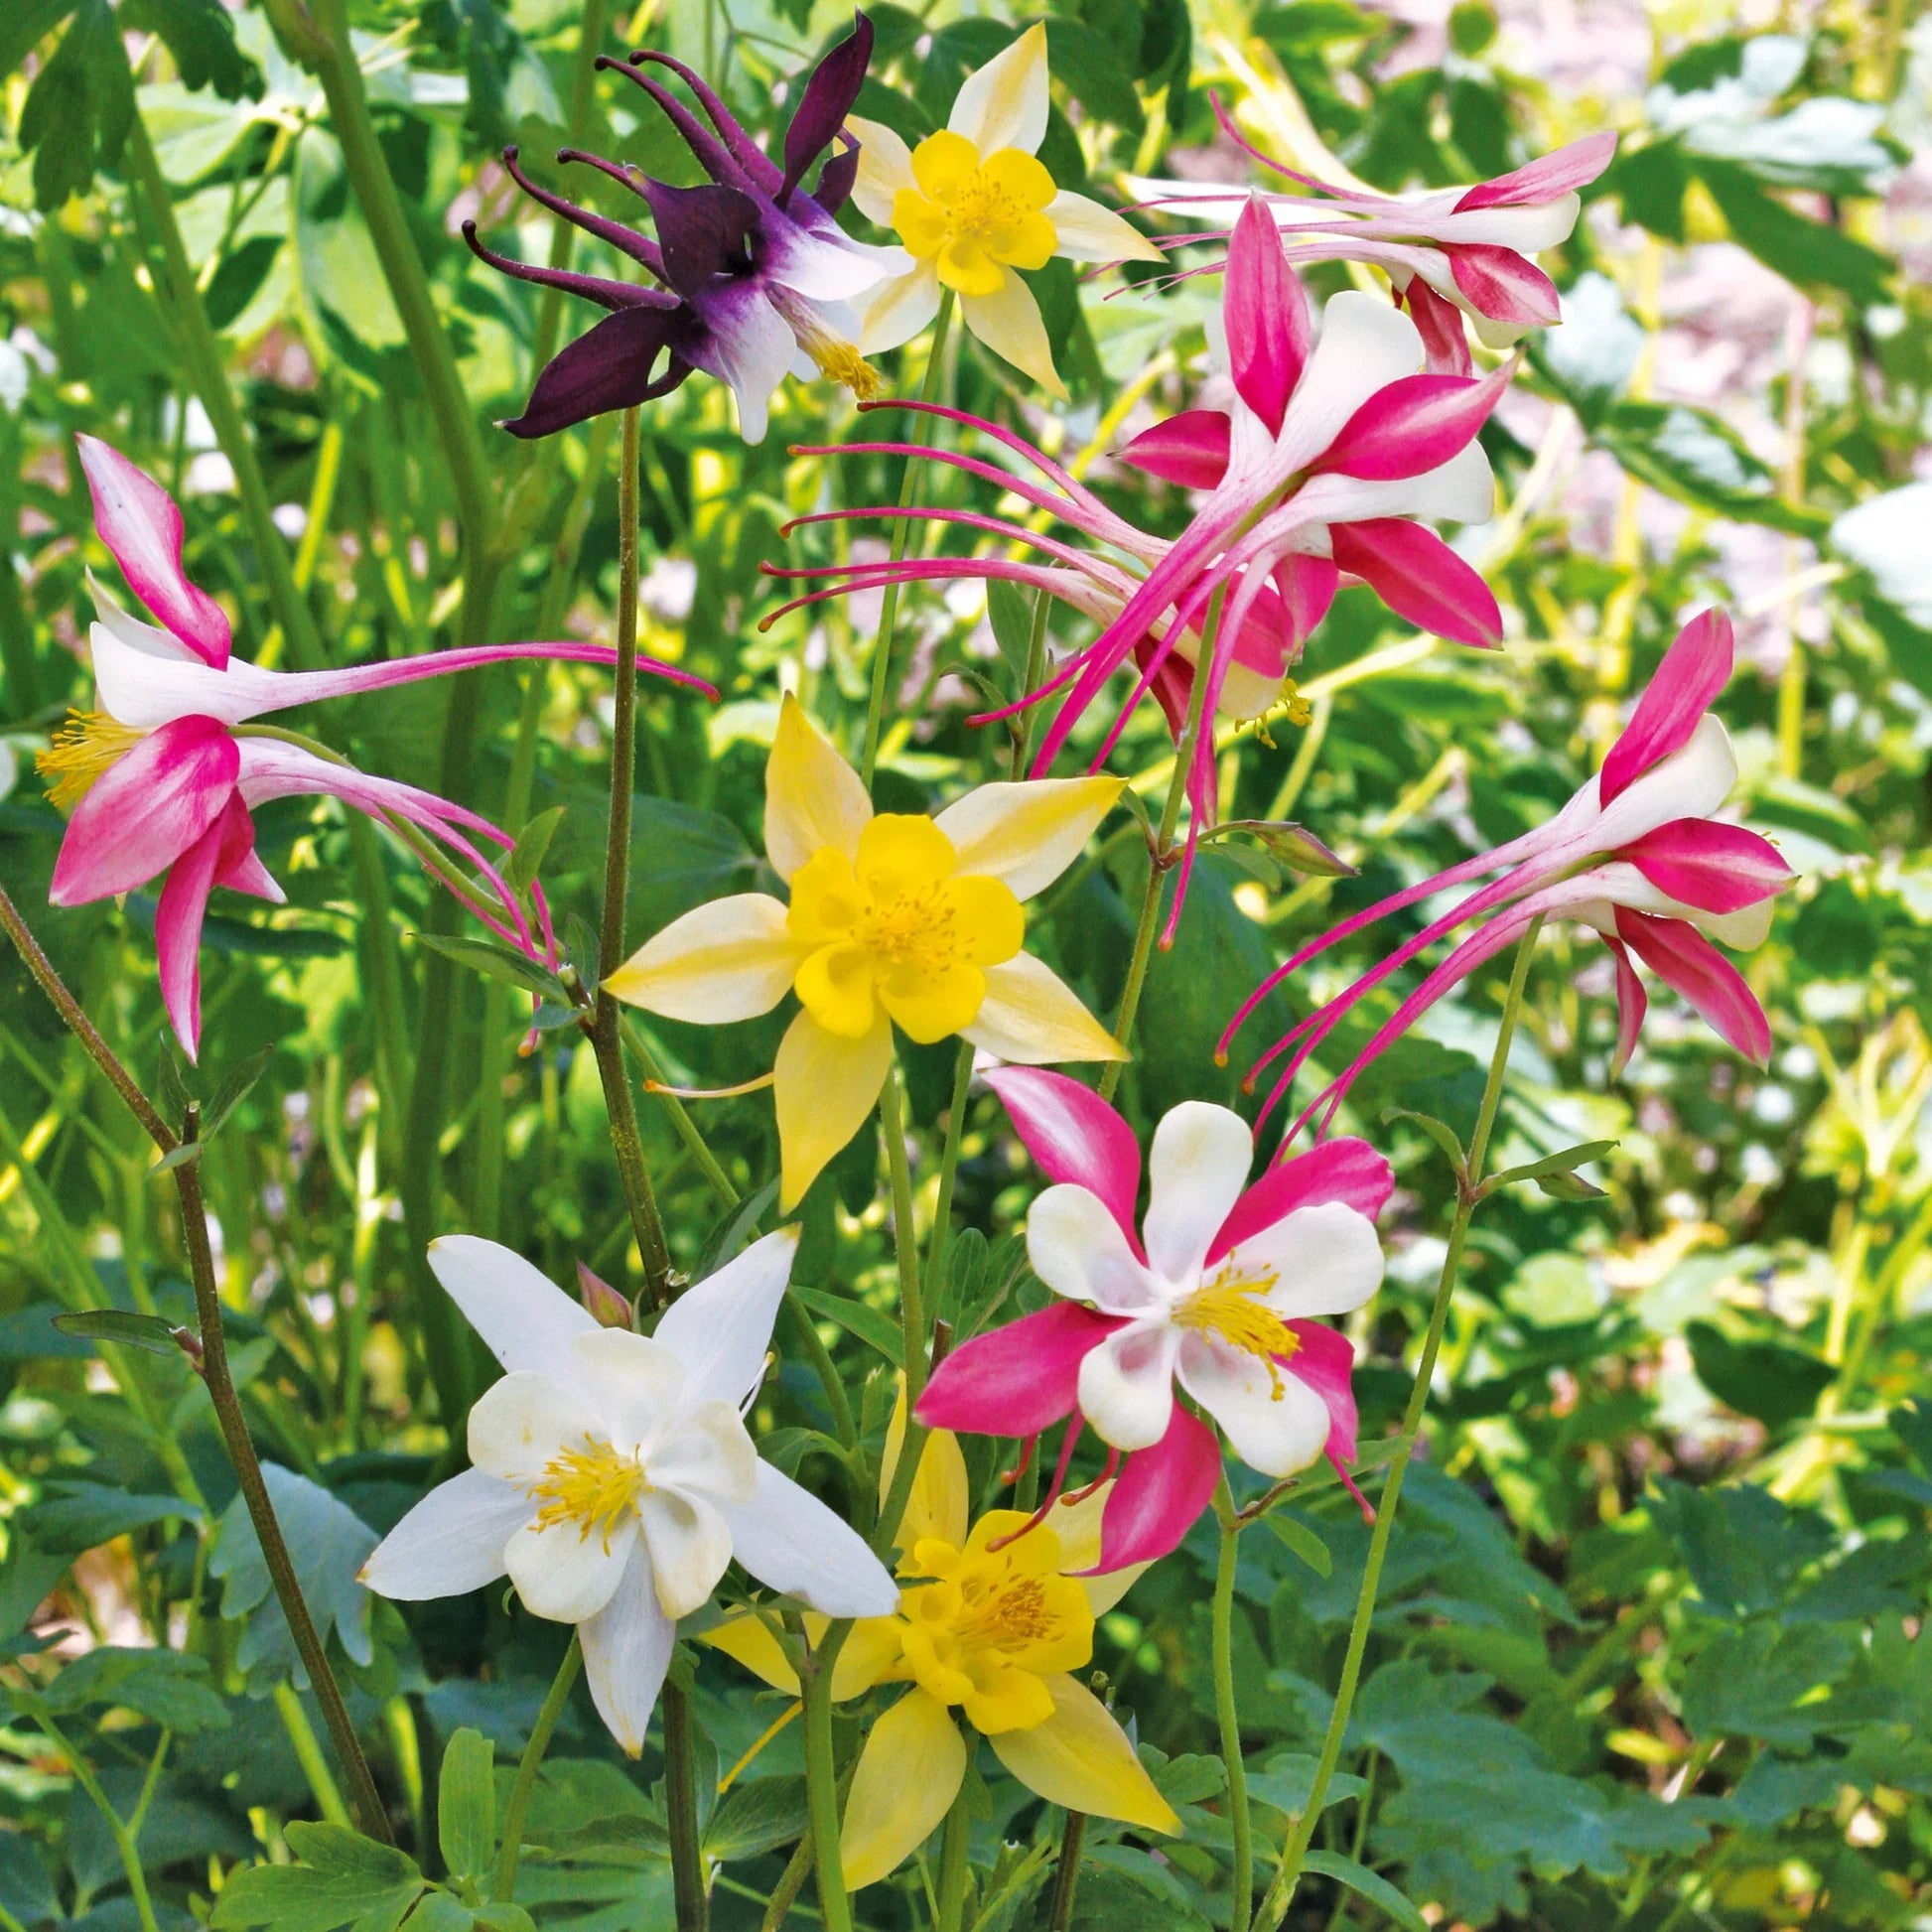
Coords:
pixel 163 774
pixel 1443 251
pixel 1639 854
pixel 1216 1290
pixel 1332 449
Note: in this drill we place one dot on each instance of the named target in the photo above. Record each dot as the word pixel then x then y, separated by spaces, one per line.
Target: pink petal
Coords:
pixel 1346 1169
pixel 1074 1134
pixel 1190 449
pixel 1502 285
pixel 178 917
pixel 145 811
pixel 1545 178
pixel 1703 861
pixel 1412 424
pixel 1687 962
pixel 1695 669
pixel 248 875
pixel 1419 577
pixel 1267 316
pixel 1632 1001
pixel 1326 1360
pixel 1159 1493
pixel 1015 1380
pixel 141 524
pixel 1439 321
pixel 1307 588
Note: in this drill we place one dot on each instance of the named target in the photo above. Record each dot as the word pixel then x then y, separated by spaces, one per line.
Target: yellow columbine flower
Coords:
pixel 972 205
pixel 895 918
pixel 993 1632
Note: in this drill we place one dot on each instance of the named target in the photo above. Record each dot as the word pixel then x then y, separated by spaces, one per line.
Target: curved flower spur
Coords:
pixel 162 777
pixel 757 277
pixel 1639 854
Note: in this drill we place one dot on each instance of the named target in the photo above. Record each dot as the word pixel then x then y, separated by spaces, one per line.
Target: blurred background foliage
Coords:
pixel 1650 1651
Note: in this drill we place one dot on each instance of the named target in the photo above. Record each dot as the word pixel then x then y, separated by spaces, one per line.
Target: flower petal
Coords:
pixel 525 1319
pixel 141 524
pixel 1030 1015
pixel 633 1385
pixel 564 1573
pixel 1631 1004
pixel 746 1639
pixel 627 1651
pixel 1324 1360
pixel 1365 343
pixel 885 167
pixel 1190 449
pixel 1090 232
pixel 908 1774
pixel 825 1088
pixel 1687 962
pixel 1078 1249
pixel 520 1423
pixel 1078 1525
pixel 1327 1260
pixel 1074 1134
pixel 1545 178
pixel 1126 1385
pixel 690 1547
pixel 611 366
pixel 1018 1379
pixel 812 798
pixel 1026 835
pixel 178 917
pixel 1159 1492
pixel 144 677
pixel 1198 1167
pixel 829 93
pixel 1003 103
pixel 451 1542
pixel 732 959
pixel 1413 425
pixel 1504 286
pixel 791 1543
pixel 1695 669
pixel 1265 314
pixel 1419 577
pixel 1345 1170
pixel 940 1497
pixel 1275 1424
pixel 896 311
pixel 1007 321
pixel 721 1326
pixel 1689 782
pixel 1705 863
pixel 1082 1760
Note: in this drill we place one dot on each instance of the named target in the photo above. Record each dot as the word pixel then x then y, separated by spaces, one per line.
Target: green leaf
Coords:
pixel 496 961
pixel 875 1329
pixel 79 108
pixel 78 1516
pixel 1809 253
pixel 170 1088
pixel 344 1876
pixel 183 1155
pixel 1371 1884
pixel 1287 1782
pixel 1091 66
pixel 24 24
pixel 1765 1379
pixel 756 1818
pixel 164 1686
pixel 122 1325
pixel 1012 612
pixel 1290 845
pixel 233 1089
pixel 520 869
pixel 1692 455
pixel 466 1813
pixel 1745 1549
pixel 200 34
pixel 1438 1131
pixel 735 1231
pixel 1305 1543
pixel 1563 1162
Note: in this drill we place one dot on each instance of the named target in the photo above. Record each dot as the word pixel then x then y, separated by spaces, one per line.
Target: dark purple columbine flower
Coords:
pixel 754 276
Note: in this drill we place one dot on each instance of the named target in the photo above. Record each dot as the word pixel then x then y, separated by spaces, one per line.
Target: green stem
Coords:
pixel 1227 1711
pixel 954 1846
pixel 679 1115
pixel 307 1753
pixel 936 1264
pixel 1280 1894
pixel 908 489
pixel 503 1884
pixel 1066 1874
pixel 911 1309
pixel 822 1787
pixel 126 1843
pixel 691 1904
pixel 1023 728
pixel 792 1881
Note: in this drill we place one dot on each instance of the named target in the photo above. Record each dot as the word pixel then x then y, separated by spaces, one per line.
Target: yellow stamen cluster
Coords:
pixel 917 928
pixel 85 747
pixel 975 216
pixel 590 1488
pixel 1298 708
pixel 840 363
pixel 1228 1306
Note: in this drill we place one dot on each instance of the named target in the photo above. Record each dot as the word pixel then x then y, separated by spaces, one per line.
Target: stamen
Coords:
pixel 89 745
pixel 763 1738
pixel 1229 1307
pixel 1027 1448
pixel 590 1488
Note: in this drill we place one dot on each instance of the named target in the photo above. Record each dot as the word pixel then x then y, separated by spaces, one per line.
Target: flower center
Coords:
pixel 1229 1308
pixel 837 359
pixel 975 217
pixel 87 744
pixel 590 1488
pixel 917 928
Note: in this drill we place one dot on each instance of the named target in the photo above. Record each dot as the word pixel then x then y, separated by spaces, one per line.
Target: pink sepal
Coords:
pixel 1545 178
pixel 1445 341
pixel 1160 1493
pixel 1190 449
pixel 1307 588
pixel 1412 424
pixel 145 811
pixel 1632 1002
pixel 1018 1379
pixel 208 863
pixel 1503 285
pixel 1705 863
pixel 141 524
pixel 1695 669
pixel 1074 1135
pixel 1687 962
pixel 1266 314
pixel 1345 1170
pixel 1326 1360
pixel 1419 577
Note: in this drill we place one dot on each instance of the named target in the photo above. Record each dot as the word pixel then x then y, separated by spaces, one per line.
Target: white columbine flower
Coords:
pixel 614 1479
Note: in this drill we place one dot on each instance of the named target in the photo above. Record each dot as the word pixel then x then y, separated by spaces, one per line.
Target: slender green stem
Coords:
pixel 823 1786
pixel 1280 1894
pixel 126 1843
pixel 307 1753
pixel 935 1262
pixel 908 489
pixel 792 1881
pixel 1066 1874
pixel 912 1306
pixel 503 1884
pixel 1227 1711
pixel 679 1115
pixel 688 1891
pixel 955 1844
pixel 1022 726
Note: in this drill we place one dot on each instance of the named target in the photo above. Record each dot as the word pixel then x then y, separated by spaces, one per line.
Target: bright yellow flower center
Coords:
pixel 590 1488
pixel 899 927
pixel 86 746
pixel 1229 1307
pixel 975 217
pixel 993 1622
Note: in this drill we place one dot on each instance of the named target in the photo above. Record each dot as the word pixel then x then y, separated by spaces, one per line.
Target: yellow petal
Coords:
pixel 730 960
pixel 1077 1524
pixel 907 1776
pixel 1011 1700
pixel 885 167
pixel 826 903
pixel 901 852
pixel 747 1640
pixel 1007 320
pixel 825 1089
pixel 988 922
pixel 1017 174
pixel 967 268
pixel 1026 835
pixel 943 163
pixel 836 987
pixel 1090 232
pixel 1003 104
pixel 922 224
pixel 1082 1759
pixel 896 311
pixel 1031 245
pixel 870 1652
pixel 930 1007
pixel 940 1502
pixel 1031 1017
pixel 812 798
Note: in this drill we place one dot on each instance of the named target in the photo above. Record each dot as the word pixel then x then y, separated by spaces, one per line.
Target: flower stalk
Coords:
pixel 1227 1710
pixel 503 1883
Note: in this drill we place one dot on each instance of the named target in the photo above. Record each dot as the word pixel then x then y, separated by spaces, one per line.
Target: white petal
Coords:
pixel 732 959
pixel 1077 1249
pixel 885 167
pixel 826 270
pixel 1090 232
pixel 1197 1167
pixel 525 1319
pixel 1326 1259
pixel 1460 491
pixel 565 1576
pixel 708 1455
pixel 1744 931
pixel 1026 835
pixel 1010 323
pixel 1003 103
pixel 1528 227
pixel 791 1543
pixel 146 678
pixel 633 1382
pixel 453 1541
pixel 1691 783
pixel 1126 1385
pixel 690 1545
pixel 722 1326
pixel 1365 344
pixel 627 1651
pixel 896 311
pixel 755 351
pixel 1274 1434
pixel 518 1426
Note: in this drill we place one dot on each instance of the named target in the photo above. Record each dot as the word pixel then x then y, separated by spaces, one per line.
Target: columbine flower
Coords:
pixel 973 206
pixel 161 777
pixel 1446 249
pixel 992 1620
pixel 1639 854
pixel 759 277
pixel 613 1479
pixel 1220 1299
pixel 895 918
